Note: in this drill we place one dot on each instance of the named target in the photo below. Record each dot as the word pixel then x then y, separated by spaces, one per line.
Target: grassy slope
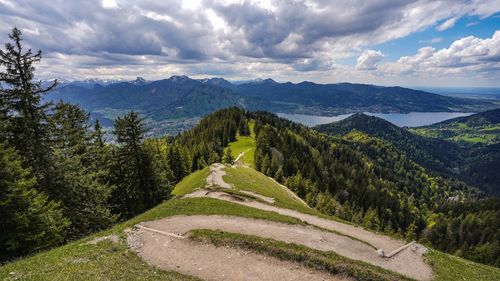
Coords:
pixel 113 261
pixel 193 181
pixel 110 261
pixel 245 144
pixel 461 132
pixel 244 178
pixel 450 268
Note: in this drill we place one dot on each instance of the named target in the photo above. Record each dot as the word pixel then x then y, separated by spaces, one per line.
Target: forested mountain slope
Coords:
pixel 473 164
pixel 481 128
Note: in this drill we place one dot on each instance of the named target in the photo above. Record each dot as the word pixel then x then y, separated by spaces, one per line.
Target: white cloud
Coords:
pixel 369 60
pixel 469 56
pixel 109 4
pixel 449 23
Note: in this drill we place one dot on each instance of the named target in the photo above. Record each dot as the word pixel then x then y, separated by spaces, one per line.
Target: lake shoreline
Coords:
pixel 410 119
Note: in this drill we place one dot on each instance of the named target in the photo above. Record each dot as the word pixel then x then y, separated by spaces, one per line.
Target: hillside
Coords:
pixel 251 231
pixel 180 97
pixel 473 165
pixel 482 128
pixel 433 153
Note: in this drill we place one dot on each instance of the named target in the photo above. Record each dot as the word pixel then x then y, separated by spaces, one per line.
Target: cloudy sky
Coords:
pixel 397 42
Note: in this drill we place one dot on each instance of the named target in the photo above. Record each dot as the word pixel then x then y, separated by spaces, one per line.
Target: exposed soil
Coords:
pixel 212 263
pixel 209 262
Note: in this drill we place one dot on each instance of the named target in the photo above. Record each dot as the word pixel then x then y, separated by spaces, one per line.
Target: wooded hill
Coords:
pixel 473 163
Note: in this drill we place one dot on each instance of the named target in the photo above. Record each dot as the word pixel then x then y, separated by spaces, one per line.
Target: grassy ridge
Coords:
pixel 245 144
pixel 449 268
pixel 193 181
pixel 105 260
pixel 244 178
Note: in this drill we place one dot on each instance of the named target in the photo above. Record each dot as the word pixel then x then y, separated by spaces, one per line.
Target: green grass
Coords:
pixel 452 268
pixel 245 144
pixel 76 261
pixel 113 261
pixel 195 180
pixel 327 261
pixel 244 178
pixel 463 133
pixel 205 206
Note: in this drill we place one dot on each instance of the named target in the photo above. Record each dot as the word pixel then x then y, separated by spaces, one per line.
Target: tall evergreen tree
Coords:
pixel 27 128
pixel 77 182
pixel 137 186
pixel 29 220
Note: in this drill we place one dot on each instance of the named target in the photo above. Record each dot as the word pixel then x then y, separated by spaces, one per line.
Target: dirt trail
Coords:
pixel 410 260
pixel 299 234
pixel 236 161
pixel 212 263
pixel 217 263
pixel 215 176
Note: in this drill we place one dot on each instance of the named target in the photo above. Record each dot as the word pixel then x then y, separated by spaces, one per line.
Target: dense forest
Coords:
pixel 474 163
pixel 60 180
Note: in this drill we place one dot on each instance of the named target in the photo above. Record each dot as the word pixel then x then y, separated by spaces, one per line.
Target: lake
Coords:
pixel 412 119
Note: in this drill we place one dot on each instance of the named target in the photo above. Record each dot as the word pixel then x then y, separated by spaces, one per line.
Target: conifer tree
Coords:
pixel 137 185
pixel 30 221
pixel 228 156
pixel 77 184
pixel 27 129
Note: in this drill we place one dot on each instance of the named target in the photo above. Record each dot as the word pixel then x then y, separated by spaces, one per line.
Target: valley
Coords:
pixel 172 105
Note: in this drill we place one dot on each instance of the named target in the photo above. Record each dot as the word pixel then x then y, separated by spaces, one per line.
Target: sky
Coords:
pixel 448 43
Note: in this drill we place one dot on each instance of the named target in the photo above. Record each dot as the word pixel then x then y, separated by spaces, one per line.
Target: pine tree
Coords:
pixel 411 232
pixel 27 129
pixel 228 156
pixel 137 185
pixel 30 221
pixel 77 182
pixel 178 162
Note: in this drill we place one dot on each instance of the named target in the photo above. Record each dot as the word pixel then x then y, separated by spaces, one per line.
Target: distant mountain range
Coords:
pixel 182 97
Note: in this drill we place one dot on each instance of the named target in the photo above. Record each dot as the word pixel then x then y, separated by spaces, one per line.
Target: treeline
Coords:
pixel 60 180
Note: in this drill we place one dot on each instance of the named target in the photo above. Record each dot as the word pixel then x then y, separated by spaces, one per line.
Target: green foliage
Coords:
pixel 469 229
pixel 27 127
pixel 138 187
pixel 76 184
pixel 228 156
pixel 30 221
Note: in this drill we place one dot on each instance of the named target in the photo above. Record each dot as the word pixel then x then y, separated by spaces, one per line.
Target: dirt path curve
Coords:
pixel 217 263
pixel 409 262
pixel 215 176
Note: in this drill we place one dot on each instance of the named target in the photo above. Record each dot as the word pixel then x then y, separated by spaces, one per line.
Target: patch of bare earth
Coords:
pixel 209 262
pixel 407 262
